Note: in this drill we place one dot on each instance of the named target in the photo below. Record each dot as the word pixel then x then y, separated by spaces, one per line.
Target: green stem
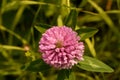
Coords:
pixel 118 4
pixel 49 4
pixel 103 76
pixel 16 20
pixel 11 47
pixel 91 47
pixel 14 34
pixel 84 75
pixel 32 26
pixel 41 76
pixel 105 17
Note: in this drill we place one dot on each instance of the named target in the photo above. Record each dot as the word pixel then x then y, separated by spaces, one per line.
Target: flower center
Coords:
pixel 59 44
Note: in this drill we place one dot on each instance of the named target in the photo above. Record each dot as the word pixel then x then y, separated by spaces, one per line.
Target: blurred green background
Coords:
pixel 18 34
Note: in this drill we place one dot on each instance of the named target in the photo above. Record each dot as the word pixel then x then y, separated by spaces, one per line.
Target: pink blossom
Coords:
pixel 61 48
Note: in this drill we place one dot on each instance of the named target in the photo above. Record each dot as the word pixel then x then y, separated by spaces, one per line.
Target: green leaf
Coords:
pixel 87 32
pixel 63 74
pixel 71 20
pixel 93 64
pixel 36 66
pixel 42 27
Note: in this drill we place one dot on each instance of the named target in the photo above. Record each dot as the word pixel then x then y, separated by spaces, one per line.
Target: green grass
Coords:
pixel 22 23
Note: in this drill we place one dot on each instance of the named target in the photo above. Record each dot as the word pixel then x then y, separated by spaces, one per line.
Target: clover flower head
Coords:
pixel 61 48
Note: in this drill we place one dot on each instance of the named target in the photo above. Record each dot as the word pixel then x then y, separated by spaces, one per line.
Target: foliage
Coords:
pixel 22 22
